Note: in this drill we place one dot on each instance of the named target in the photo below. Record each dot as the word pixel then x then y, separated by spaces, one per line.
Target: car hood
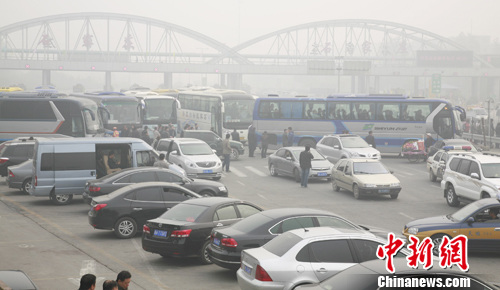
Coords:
pixel 202 158
pixel 431 222
pixel 321 164
pixel 377 178
pixel 494 181
pixel 368 151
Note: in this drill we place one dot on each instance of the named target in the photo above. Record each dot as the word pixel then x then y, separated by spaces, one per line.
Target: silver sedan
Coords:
pixel 19 176
pixel 285 161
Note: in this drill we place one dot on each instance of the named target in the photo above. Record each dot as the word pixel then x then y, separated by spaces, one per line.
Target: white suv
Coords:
pixel 470 177
pixel 336 147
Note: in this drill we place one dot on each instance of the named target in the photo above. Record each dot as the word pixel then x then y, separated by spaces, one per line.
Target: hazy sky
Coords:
pixel 235 21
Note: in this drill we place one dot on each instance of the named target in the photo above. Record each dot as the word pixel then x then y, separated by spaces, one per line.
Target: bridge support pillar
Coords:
pixel 234 81
pixel 46 77
pixel 415 86
pixel 223 81
pixel 167 80
pixel 362 84
pixel 107 81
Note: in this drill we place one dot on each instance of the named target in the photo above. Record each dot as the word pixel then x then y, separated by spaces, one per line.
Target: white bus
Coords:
pixel 218 110
pixel 394 119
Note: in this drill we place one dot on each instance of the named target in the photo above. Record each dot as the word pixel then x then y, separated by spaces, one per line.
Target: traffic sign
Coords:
pixel 436 83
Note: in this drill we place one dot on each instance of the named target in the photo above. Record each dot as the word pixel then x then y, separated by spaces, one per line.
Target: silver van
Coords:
pixel 61 167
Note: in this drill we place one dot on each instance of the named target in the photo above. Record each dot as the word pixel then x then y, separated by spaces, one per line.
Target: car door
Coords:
pixel 74 165
pixel 147 204
pixel 336 151
pixel 173 196
pixel 292 223
pixel 462 177
pixel 329 257
pixel 278 161
pixel 225 215
pixel 484 232
pixel 347 177
pixel 288 162
pixel 173 154
pixel 435 162
pixel 472 185
pixel 339 174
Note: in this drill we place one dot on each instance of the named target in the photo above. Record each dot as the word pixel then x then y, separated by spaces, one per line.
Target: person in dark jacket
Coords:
pixel 134 132
pixel 291 135
pixel 264 144
pixel 285 137
pixel 370 139
pixel 305 159
pixel 145 136
pixel 429 141
pixel 235 135
pixel 252 140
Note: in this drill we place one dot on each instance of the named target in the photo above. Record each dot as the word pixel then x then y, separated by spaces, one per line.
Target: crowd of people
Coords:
pixel 123 279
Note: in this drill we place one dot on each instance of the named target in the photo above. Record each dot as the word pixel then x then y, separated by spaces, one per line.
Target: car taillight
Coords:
pixel 261 274
pixel 11 174
pixel 100 206
pixel 93 188
pixel 3 160
pixel 181 233
pixel 146 229
pixel 229 242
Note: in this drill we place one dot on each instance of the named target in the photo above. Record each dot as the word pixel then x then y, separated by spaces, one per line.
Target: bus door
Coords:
pixel 442 122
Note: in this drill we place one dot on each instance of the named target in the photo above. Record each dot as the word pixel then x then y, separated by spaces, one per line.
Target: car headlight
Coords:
pixel 413 231
pixel 222 188
pixel 191 164
pixel 370 185
pixel 397 184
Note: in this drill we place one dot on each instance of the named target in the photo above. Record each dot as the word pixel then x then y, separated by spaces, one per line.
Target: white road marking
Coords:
pixel 405 215
pixel 242 184
pixel 261 196
pixel 256 171
pixel 237 172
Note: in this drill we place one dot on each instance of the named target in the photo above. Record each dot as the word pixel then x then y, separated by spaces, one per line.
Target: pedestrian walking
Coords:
pixel 123 279
pixel 370 139
pixel 145 136
pixel 252 141
pixel 162 163
pixel 429 141
pixel 235 135
pixel 305 158
pixel 226 152
pixel 291 135
pixel 87 282
pixel 284 137
pixel 264 144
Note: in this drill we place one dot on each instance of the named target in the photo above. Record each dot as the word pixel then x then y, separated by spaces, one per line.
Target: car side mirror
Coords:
pixel 336 147
pixel 214 151
pixel 470 220
pixel 474 175
pixel 174 152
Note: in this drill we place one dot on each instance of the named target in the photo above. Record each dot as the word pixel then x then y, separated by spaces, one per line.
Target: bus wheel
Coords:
pixel 61 199
pixel 307 141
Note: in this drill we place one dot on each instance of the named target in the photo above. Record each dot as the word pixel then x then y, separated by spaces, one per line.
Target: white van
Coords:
pixel 61 167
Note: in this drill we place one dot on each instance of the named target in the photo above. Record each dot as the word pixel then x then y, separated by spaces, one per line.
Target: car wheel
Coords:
pixel 334 185
pixel 272 170
pixel 61 199
pixel 216 178
pixel 394 195
pixel 125 228
pixel 296 175
pixel 204 257
pixel 451 196
pixel 437 239
pixel 234 154
pixel 26 186
pixel 355 190
pixel 432 176
pixel 206 193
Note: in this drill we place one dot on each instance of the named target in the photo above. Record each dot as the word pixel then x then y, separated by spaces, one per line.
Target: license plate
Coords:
pixel 216 242
pixel 247 269
pixel 159 233
pixel 321 173
pixel 207 171
pixel 384 191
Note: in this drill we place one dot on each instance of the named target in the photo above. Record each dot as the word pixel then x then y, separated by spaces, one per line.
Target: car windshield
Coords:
pixel 184 212
pixel 466 211
pixel 354 142
pixel 369 168
pixel 196 149
pixel 316 154
pixel 491 170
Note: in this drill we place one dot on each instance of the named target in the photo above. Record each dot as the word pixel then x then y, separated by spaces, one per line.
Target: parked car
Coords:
pixel 319 252
pixel 16 280
pixel 478 221
pixel 14 152
pixel 436 164
pixel 471 177
pixel 19 176
pixel 215 142
pixel 185 229
pixel 285 161
pixel 365 177
pixel 256 230
pixel 367 275
pixel 192 155
pixel 336 147
pixel 127 209
pixel 439 144
pixel 112 182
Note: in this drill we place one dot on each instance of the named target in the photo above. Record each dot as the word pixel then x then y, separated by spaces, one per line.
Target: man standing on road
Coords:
pixel 123 280
pixel 264 144
pixel 290 136
pixel 235 135
pixel 429 141
pixel 305 165
pixel 285 137
pixel 370 139
pixel 252 140
pixel 226 151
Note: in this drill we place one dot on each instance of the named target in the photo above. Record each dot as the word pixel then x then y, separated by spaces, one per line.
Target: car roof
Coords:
pixel 481 157
pixel 153 183
pixel 209 201
pixel 184 140
pixel 286 212
pixel 364 160
pixel 318 232
pixel 342 135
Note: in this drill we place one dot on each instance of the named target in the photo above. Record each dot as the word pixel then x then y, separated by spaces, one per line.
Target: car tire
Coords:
pixel 335 187
pixel 234 154
pixel 355 191
pixel 61 199
pixel 272 170
pixel 432 176
pixel 125 228
pixel 394 195
pixel 451 196
pixel 203 254
pixel 26 186
pixel 206 193
pixel 296 175
pixel 436 240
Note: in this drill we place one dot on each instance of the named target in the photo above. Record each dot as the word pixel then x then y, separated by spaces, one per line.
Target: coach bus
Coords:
pixel 116 109
pixel 394 119
pixel 45 115
pixel 218 110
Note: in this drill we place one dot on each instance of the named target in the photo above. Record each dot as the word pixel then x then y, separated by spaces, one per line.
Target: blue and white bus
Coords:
pixel 394 119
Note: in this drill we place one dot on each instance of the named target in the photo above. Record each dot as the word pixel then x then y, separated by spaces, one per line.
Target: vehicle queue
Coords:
pixel 239 215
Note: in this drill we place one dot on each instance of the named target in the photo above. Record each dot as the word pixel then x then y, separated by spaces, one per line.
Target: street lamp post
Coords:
pixel 489 120
pixel 338 78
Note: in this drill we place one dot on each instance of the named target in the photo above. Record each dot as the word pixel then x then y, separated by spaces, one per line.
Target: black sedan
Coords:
pixel 112 182
pixel 252 232
pixel 185 229
pixel 127 209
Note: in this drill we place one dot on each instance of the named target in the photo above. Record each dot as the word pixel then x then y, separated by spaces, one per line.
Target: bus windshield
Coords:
pixel 238 113
pixel 122 111
pixel 159 111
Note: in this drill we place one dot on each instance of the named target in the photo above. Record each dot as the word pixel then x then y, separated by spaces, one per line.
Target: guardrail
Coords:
pixel 484 141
